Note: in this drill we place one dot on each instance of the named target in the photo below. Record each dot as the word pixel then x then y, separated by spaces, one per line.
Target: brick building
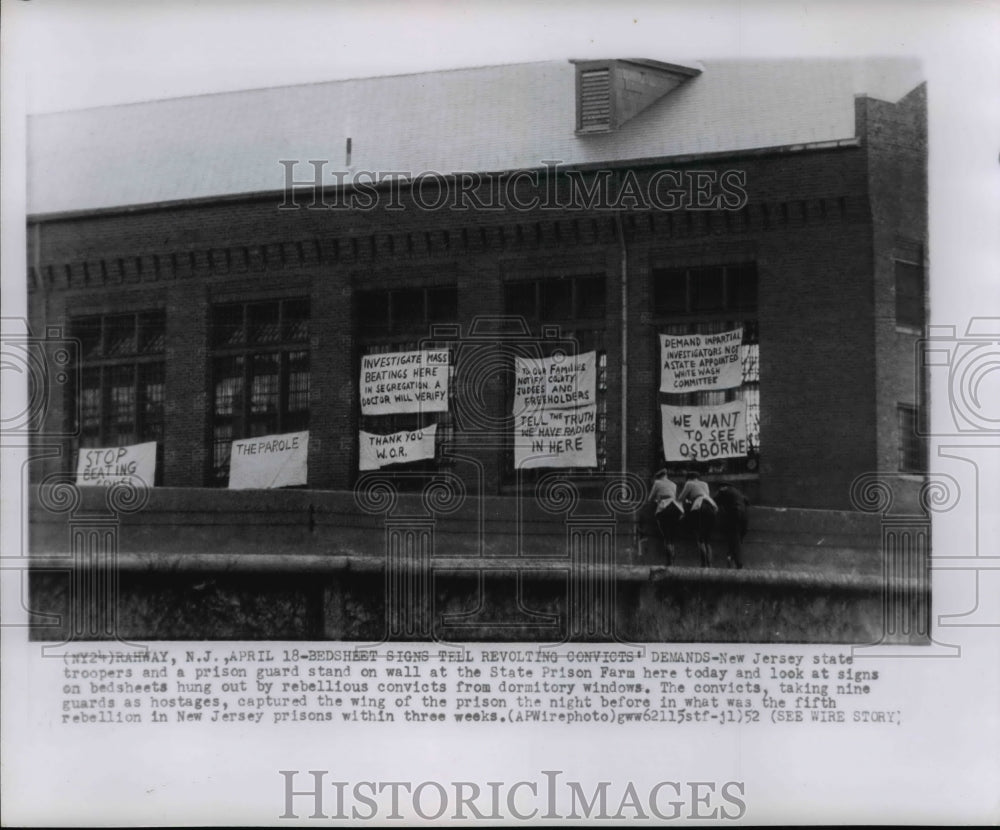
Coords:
pixel 614 200
pixel 227 265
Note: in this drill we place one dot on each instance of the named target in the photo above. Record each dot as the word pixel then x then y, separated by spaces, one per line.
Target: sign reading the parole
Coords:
pixel 556 438
pixel 404 382
pixel 696 362
pixel 554 382
pixel 135 465
pixel 269 461
pixel 703 433
pixel 397 448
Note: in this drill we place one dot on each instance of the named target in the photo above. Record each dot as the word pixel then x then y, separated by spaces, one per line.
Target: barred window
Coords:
pixel 578 306
pixel 708 300
pixel 260 374
pixel 912 444
pixel 909 295
pixel 402 320
pixel 120 396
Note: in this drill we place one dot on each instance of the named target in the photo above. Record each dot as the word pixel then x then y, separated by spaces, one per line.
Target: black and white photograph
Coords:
pixel 416 379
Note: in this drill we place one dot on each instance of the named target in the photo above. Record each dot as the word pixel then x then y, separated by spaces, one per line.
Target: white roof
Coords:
pixel 491 118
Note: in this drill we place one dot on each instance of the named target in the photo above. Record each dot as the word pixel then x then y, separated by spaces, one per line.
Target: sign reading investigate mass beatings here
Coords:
pixel 404 382
pixel 698 362
pixel 704 433
pixel 102 467
pixel 377 451
pixel 556 438
pixel 269 461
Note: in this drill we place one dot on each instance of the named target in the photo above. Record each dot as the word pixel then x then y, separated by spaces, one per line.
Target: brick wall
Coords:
pixel 807 224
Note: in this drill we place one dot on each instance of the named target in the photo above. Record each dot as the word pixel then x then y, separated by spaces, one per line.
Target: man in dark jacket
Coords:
pixel 733 520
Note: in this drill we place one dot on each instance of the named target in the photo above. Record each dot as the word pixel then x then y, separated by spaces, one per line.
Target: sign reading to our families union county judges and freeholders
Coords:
pixel 555 412
pixel 700 362
pixel 404 382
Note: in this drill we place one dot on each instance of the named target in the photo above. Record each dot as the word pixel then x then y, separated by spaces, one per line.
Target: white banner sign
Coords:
pixel 269 461
pixel 554 382
pixel 404 382
pixel 135 465
pixel 702 433
pixel 556 438
pixel 397 448
pixel 695 362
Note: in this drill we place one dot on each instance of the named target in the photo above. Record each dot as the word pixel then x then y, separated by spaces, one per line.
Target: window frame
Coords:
pixel 145 359
pixel 291 341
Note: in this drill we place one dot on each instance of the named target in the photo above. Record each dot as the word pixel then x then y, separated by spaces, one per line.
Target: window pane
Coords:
pixel 298 382
pixel 373 311
pixel 221 448
pixel 407 309
pixel 264 391
pixel 670 291
pixel 121 415
pixel 265 324
pixel 88 330
pixel 151 395
pixel 90 408
pixel 556 299
pixel 227 325
pixel 120 335
pixel 909 295
pixel 228 375
pixel 742 287
pixel 442 305
pixel 519 298
pixel 590 299
pixel 296 320
pixel 706 289
pixel 152 332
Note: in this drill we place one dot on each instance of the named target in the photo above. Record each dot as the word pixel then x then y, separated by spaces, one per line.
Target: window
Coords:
pixel 577 305
pixel 402 320
pixel 909 295
pixel 707 299
pixel 260 373
pixel 120 396
pixel 912 447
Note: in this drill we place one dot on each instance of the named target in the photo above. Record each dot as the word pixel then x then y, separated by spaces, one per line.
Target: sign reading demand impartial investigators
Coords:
pixel 377 451
pixel 102 467
pixel 704 433
pixel 269 461
pixel 697 362
pixel 404 382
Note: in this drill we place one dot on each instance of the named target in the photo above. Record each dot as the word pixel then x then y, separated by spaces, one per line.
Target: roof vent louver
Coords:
pixel 610 92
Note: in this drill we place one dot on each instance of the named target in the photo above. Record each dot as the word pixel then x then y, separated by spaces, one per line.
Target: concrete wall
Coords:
pixel 308 565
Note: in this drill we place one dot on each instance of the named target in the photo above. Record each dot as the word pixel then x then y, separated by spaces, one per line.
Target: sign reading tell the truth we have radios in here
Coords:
pixel 555 416
pixel 700 362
